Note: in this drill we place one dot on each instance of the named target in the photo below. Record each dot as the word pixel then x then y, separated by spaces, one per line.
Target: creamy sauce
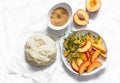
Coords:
pixel 59 16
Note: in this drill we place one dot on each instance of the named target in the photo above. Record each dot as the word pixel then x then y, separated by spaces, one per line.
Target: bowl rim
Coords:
pixel 63 5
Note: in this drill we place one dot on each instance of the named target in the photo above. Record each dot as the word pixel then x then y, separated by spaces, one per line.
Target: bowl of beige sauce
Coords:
pixel 59 16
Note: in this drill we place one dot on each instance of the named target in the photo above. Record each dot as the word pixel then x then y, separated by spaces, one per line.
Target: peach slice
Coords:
pixel 102 54
pixel 93 66
pixel 83 56
pixel 93 5
pixel 85 48
pixel 95 55
pixel 103 49
pixel 91 39
pixel 81 17
pixel 83 67
pixel 66 53
pixel 99 41
pixel 79 61
pixel 83 44
pixel 74 66
pixel 88 54
pixel 92 51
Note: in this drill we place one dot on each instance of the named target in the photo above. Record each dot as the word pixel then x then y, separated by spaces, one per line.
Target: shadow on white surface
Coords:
pixel 84 78
pixel 93 15
pixel 56 34
pixel 78 26
pixel 35 68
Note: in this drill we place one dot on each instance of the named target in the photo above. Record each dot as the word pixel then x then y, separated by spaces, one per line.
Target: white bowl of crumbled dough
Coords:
pixel 40 50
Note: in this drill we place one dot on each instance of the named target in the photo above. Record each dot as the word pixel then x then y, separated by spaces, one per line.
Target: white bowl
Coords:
pixel 67 64
pixel 69 10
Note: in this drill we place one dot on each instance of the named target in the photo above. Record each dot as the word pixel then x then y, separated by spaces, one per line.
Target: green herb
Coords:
pixel 72 31
pixel 97 38
pixel 65 39
pixel 66 48
pixel 72 51
pixel 88 33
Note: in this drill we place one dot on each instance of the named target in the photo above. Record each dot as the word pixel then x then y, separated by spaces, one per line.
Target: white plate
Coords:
pixel 67 64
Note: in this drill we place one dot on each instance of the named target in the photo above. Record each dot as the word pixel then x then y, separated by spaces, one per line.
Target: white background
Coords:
pixel 20 18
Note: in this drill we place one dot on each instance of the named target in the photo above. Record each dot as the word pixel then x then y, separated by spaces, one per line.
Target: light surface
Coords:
pixel 21 18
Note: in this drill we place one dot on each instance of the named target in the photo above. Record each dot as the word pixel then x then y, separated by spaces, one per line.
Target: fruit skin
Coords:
pixel 101 48
pixel 95 55
pixel 93 66
pixel 93 5
pixel 81 17
pixel 74 66
pixel 85 48
pixel 79 61
pixel 83 67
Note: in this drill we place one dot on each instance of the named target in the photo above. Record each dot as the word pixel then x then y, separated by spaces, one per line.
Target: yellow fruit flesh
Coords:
pixel 93 66
pixel 83 67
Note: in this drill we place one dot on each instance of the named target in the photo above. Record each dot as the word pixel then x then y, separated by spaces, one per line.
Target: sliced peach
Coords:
pixel 88 54
pixel 66 53
pixel 74 66
pixel 93 5
pixel 83 56
pixel 91 39
pixel 99 41
pixel 79 61
pixel 81 17
pixel 93 66
pixel 83 44
pixel 83 67
pixel 85 48
pixel 103 49
pixel 90 49
pixel 95 55
pixel 102 54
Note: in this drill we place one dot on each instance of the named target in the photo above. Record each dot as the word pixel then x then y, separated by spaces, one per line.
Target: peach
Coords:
pixel 93 66
pixel 102 54
pixel 74 66
pixel 66 53
pixel 99 41
pixel 83 67
pixel 79 61
pixel 88 54
pixel 93 5
pixel 85 48
pixel 103 49
pixel 90 49
pixel 83 56
pixel 81 17
pixel 91 39
pixel 95 55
